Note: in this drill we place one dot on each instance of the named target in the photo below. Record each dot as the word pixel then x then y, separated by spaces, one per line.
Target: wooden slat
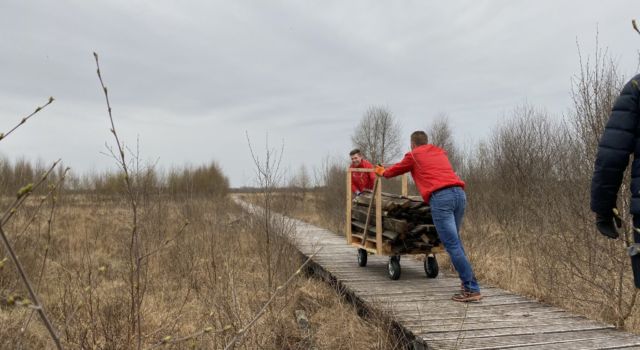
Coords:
pixel 347 228
pixel 521 330
pixel 405 185
pixel 379 216
pixel 560 340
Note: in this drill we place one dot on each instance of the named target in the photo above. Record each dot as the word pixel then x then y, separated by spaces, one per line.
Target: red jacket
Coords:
pixel 430 169
pixel 362 181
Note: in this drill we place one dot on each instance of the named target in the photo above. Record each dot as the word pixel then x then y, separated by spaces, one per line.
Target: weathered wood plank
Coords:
pixel 561 340
pixel 447 334
pixel 477 318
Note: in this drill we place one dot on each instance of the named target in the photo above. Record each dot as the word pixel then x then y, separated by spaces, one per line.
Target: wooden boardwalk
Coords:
pixel 422 308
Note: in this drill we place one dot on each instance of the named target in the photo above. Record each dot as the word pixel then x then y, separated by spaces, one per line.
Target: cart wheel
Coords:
pixel 431 266
pixel 362 257
pixel 394 268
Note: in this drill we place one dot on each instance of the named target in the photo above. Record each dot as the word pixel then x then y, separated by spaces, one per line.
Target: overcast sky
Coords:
pixel 189 78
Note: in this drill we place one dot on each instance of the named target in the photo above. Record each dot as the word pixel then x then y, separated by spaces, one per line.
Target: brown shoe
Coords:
pixel 466 297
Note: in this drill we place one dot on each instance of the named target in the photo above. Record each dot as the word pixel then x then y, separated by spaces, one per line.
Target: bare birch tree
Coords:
pixel 439 132
pixel 378 135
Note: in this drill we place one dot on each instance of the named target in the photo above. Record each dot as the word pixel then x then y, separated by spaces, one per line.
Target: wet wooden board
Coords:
pixel 423 309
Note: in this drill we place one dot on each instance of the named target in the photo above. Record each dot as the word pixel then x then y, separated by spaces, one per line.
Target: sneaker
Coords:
pixel 465 297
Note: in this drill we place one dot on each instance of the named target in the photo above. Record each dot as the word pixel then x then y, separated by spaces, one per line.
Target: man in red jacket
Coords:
pixel 442 189
pixel 360 181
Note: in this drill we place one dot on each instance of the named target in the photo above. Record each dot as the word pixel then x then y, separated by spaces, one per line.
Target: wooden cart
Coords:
pixel 367 244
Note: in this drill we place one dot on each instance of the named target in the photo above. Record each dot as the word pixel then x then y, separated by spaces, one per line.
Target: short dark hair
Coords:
pixel 354 152
pixel 419 138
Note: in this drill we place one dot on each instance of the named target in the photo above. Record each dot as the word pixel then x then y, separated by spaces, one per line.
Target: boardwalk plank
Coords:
pixel 452 334
pixel 598 339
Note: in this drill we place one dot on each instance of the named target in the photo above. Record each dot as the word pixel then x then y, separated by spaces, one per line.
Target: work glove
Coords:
pixel 608 224
pixel 379 170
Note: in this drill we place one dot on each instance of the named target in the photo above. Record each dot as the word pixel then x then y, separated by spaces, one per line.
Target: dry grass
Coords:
pixel 213 276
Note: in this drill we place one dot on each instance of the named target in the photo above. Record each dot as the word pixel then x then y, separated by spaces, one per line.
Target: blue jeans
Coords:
pixel 447 210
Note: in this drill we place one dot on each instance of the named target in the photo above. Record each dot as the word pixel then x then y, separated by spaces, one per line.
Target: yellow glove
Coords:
pixel 379 170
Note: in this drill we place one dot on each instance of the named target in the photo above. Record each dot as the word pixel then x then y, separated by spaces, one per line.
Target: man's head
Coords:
pixel 418 138
pixel 356 157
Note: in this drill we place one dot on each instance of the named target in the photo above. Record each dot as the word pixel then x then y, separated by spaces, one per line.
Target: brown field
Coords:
pixel 214 274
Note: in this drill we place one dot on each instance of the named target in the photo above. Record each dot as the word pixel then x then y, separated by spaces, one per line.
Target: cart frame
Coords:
pixel 370 245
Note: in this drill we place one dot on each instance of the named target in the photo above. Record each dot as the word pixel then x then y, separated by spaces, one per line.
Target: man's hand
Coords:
pixel 607 223
pixel 379 170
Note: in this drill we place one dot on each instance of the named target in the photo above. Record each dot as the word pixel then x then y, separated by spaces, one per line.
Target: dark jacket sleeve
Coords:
pixel 616 144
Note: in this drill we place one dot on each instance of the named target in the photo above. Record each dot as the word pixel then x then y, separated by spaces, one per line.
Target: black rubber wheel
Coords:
pixel 394 268
pixel 431 267
pixel 362 257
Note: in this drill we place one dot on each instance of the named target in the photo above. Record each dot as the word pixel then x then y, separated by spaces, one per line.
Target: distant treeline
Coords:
pixel 188 180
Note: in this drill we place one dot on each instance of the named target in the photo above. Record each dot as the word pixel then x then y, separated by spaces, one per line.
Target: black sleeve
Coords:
pixel 616 144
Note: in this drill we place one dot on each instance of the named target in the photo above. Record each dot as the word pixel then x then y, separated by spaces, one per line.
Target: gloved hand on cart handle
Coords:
pixel 379 170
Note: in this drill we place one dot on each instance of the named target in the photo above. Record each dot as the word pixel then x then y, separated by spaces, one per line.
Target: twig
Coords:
pixel 166 243
pixel 242 332
pixel 136 290
pixel 40 204
pixel 24 120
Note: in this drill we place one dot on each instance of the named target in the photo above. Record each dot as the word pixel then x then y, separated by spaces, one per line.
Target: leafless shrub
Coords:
pixel 331 178
pixel 593 91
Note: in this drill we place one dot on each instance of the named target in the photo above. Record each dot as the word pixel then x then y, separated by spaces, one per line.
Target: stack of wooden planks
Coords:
pixel 407 226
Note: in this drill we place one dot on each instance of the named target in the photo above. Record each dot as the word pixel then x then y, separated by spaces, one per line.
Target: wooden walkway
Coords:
pixel 422 308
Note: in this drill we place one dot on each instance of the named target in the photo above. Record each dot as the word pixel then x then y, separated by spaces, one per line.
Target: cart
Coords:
pixel 368 244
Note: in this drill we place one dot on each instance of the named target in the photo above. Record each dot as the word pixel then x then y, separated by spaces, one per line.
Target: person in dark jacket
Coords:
pixel 619 140
pixel 443 190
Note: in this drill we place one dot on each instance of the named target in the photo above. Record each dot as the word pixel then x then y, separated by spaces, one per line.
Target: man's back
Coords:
pixel 430 169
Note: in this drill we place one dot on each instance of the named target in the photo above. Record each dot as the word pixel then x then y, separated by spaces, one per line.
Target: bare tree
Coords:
pixel 439 132
pixel 378 135
pixel 301 181
pixel 269 177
